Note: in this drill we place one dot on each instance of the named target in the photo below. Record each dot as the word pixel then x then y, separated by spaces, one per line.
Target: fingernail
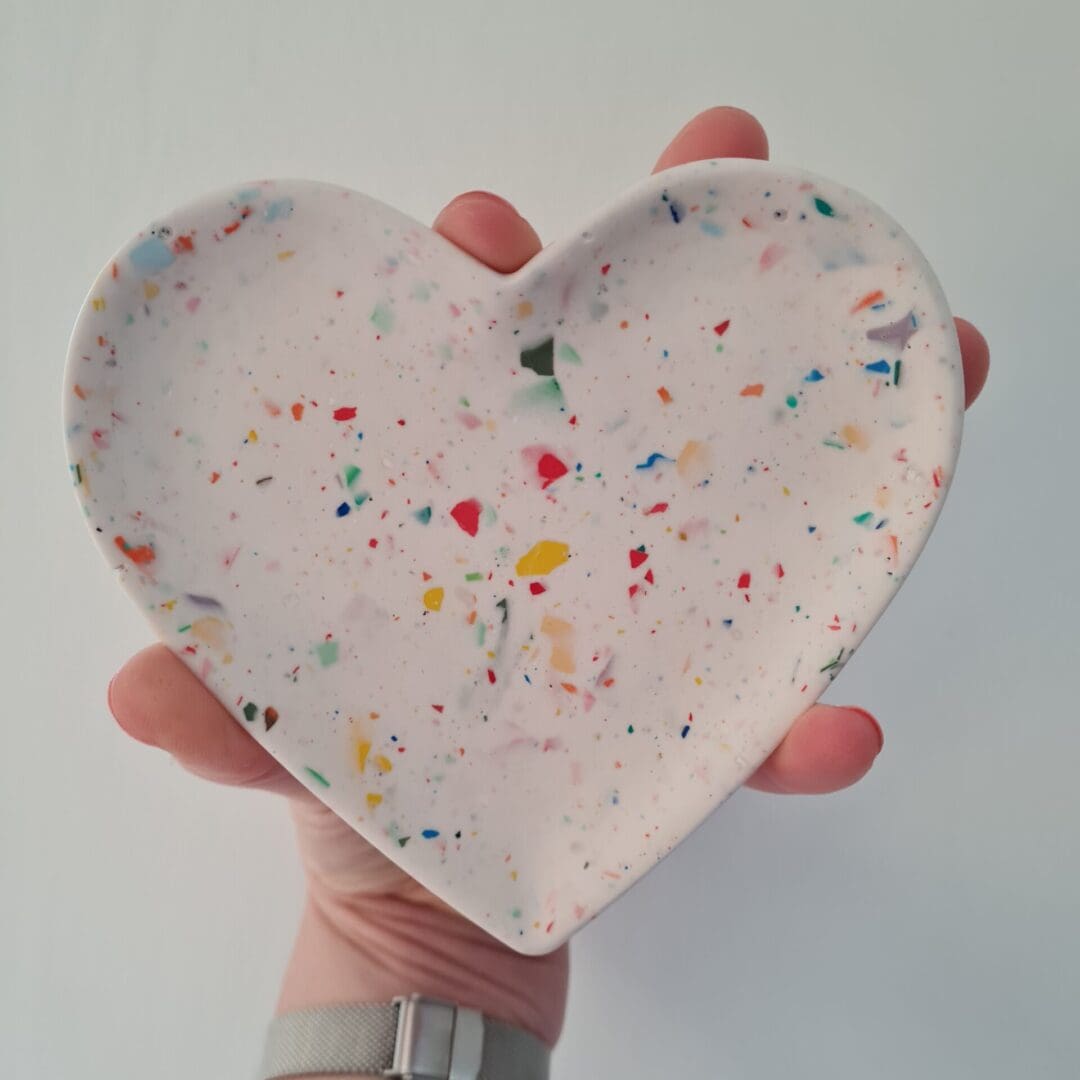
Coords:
pixel 108 696
pixel 876 725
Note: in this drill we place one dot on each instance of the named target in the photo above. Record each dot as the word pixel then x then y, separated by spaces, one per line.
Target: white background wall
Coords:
pixel 923 924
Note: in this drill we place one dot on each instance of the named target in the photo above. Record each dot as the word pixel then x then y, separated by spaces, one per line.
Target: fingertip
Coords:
pixel 870 725
pixel 828 748
pixel 975 353
pixel 488 228
pixel 720 132
pixel 128 693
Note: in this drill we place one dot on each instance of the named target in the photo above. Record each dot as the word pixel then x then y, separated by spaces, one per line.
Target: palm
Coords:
pixel 339 859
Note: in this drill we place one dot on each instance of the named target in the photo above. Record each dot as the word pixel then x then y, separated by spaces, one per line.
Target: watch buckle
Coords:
pixel 436 1040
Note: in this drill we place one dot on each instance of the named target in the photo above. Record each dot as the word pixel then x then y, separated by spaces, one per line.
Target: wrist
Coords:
pixel 371 948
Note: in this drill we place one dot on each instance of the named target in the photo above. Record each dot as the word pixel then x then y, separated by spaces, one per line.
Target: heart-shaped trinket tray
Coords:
pixel 521 575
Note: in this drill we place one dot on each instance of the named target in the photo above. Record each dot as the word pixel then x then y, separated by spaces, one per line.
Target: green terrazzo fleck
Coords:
pixel 382 319
pixel 327 652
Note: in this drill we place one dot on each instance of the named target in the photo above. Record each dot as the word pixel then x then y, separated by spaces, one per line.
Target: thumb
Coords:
pixel 157 700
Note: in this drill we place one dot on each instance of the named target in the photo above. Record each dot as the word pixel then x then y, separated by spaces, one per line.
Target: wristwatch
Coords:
pixel 409 1038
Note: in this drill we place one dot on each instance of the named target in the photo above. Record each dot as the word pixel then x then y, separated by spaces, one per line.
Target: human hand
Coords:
pixel 369 932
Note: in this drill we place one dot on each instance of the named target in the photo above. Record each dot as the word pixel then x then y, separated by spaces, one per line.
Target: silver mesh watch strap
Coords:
pixel 410 1038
